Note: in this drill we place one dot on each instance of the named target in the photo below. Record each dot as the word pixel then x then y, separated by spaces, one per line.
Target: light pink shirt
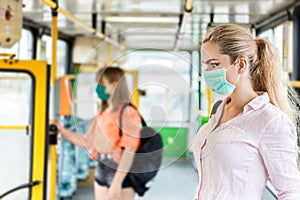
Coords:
pixel 236 159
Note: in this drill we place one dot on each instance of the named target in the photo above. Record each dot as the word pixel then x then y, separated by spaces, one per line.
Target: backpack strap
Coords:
pixel 215 107
pixel 121 113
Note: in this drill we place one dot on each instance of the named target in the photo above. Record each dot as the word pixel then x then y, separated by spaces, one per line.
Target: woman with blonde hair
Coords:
pixel 114 153
pixel 252 136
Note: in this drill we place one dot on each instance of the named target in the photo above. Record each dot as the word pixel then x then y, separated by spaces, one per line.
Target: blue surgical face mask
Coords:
pixel 100 90
pixel 216 80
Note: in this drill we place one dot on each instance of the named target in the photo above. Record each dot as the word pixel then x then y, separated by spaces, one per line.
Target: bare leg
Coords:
pixel 128 194
pixel 100 192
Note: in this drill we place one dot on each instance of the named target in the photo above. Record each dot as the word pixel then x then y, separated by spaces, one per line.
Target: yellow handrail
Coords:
pixel 14 77
pixel 295 84
pixel 12 127
pixel 10 55
pixel 76 20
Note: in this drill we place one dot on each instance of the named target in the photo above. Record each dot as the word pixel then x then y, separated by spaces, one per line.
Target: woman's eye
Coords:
pixel 213 65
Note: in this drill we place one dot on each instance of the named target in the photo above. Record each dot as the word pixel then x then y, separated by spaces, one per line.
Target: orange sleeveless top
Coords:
pixel 107 138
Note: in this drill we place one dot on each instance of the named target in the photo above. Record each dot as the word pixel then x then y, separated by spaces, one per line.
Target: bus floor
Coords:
pixel 176 180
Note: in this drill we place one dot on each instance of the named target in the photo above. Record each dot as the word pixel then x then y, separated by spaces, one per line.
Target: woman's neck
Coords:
pixel 109 105
pixel 241 96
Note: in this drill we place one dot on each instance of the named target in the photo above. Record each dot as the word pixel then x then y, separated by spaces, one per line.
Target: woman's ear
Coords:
pixel 243 65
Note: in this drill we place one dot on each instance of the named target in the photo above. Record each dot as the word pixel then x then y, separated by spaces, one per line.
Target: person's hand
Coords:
pixel 58 125
pixel 93 154
pixel 114 191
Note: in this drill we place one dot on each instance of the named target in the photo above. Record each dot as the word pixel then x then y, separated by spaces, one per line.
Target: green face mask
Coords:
pixel 100 90
pixel 216 80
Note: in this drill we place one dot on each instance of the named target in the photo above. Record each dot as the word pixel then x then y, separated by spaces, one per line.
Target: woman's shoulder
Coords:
pixel 127 106
pixel 106 114
pixel 277 120
pixel 274 112
pixel 128 110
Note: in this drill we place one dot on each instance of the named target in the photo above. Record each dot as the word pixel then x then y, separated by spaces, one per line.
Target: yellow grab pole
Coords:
pixel 54 7
pixel 53 172
pixel 54 47
pixel 136 94
pixel 53 81
pixel 208 92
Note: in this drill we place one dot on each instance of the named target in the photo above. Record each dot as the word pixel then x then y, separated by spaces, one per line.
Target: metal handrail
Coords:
pixel 23 186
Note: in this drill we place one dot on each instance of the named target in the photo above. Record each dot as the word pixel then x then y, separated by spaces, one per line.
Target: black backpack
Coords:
pixel 148 157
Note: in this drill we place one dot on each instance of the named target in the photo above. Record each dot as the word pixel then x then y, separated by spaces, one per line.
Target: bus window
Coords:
pixel 46 54
pixel 165 78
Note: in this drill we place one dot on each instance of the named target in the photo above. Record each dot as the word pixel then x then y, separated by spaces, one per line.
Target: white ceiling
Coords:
pixel 154 23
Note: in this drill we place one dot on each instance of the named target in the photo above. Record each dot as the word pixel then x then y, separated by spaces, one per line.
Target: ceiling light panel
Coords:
pixel 164 20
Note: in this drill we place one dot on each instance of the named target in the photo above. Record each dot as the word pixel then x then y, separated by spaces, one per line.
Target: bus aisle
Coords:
pixel 176 181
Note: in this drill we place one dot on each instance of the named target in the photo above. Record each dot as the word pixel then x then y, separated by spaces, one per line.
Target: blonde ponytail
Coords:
pixel 267 76
pixel 266 73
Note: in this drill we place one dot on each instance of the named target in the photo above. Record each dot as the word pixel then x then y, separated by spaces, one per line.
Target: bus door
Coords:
pixel 24 89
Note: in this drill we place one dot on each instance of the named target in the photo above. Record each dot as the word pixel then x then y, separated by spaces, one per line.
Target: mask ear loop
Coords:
pixel 247 61
pixel 236 80
pixel 232 64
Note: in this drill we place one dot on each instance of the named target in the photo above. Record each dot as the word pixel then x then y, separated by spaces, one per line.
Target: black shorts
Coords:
pixel 105 172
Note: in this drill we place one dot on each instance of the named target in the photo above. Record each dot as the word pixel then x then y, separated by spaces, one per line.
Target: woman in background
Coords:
pixel 115 153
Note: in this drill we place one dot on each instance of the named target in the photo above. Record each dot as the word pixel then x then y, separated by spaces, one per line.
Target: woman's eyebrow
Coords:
pixel 209 60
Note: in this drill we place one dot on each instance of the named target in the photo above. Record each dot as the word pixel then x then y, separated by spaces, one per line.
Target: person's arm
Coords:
pixel 277 147
pixel 122 171
pixel 79 140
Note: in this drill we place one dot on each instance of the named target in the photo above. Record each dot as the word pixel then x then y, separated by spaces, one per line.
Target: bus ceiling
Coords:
pixel 165 24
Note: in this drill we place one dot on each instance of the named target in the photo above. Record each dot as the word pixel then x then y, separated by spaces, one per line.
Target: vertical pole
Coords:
pixel 54 46
pixel 53 82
